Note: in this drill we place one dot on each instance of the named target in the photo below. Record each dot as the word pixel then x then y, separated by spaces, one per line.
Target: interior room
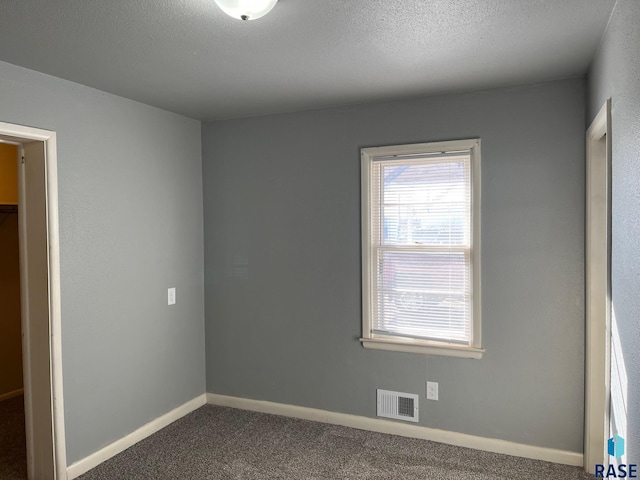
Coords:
pixel 12 442
pixel 301 239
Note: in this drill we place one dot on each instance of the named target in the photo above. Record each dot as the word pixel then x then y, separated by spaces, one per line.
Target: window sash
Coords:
pixel 428 307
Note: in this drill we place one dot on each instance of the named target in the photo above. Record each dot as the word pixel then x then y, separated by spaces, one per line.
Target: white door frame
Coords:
pixel 37 446
pixel 598 290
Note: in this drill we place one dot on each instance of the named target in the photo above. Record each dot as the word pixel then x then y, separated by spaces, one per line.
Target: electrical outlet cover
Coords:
pixel 432 390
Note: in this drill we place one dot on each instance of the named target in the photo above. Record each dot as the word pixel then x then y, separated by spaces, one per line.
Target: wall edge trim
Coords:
pixel 93 460
pixel 12 394
pixel 406 430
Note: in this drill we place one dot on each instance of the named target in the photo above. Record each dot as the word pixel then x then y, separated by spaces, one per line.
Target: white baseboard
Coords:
pixel 406 430
pixel 8 395
pixel 96 458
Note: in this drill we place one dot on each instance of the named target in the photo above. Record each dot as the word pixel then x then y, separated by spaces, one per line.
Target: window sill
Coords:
pixel 412 346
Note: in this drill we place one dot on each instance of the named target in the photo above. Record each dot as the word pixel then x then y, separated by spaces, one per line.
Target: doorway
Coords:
pixel 37 212
pixel 13 461
pixel 598 291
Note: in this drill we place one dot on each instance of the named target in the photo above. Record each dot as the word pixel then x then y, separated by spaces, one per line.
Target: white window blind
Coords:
pixel 420 266
pixel 421 237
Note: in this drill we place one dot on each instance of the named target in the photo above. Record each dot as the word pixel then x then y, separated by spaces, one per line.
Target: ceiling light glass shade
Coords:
pixel 246 9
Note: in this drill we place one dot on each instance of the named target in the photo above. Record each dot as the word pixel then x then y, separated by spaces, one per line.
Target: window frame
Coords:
pixel 431 347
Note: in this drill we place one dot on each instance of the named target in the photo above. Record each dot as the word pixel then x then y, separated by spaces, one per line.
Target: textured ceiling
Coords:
pixel 188 57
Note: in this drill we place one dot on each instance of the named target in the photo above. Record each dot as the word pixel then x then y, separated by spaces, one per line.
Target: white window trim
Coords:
pixel 429 347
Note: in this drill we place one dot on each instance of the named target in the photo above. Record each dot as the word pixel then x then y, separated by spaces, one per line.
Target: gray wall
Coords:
pixel 130 205
pixel 615 73
pixel 282 262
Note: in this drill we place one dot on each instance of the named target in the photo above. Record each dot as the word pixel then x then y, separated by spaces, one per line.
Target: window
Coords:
pixel 420 248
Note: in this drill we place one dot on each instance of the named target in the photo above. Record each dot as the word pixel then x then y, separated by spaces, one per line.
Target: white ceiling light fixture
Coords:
pixel 246 9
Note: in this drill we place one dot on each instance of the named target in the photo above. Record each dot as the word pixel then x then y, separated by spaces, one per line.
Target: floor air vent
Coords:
pixel 396 405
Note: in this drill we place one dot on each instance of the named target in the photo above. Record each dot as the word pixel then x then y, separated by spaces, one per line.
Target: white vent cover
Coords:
pixel 396 405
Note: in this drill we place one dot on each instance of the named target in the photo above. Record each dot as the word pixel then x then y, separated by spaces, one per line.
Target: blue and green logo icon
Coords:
pixel 616 446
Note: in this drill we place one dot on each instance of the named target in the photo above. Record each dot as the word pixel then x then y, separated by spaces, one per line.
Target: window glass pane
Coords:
pixel 423 294
pixel 425 203
pixel 421 247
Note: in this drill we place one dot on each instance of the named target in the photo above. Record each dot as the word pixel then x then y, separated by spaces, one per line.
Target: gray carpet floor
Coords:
pixel 223 443
pixel 13 446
